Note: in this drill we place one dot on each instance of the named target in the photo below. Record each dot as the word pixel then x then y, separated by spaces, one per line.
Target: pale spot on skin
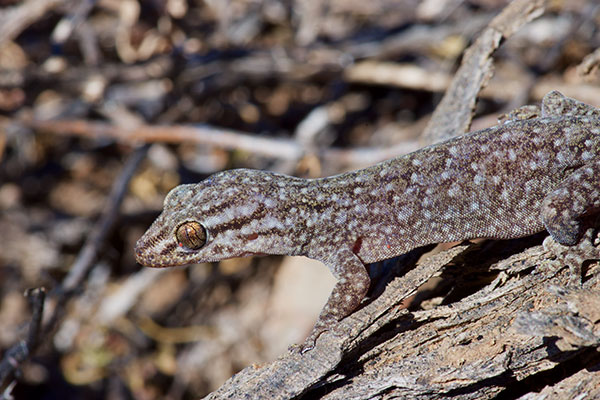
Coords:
pixel 410 191
pixel 453 191
pixel 533 164
pixel 270 203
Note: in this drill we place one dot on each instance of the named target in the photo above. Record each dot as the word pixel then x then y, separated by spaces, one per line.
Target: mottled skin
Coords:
pixel 536 171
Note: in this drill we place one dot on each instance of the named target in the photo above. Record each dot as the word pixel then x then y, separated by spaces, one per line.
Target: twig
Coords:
pixel 453 115
pixel 388 73
pixel 413 76
pixel 6 394
pixel 276 148
pixel 69 22
pixel 81 267
pixel 87 255
pixel 15 19
pixel 22 350
pixel 84 261
pixel 76 21
pixel 225 138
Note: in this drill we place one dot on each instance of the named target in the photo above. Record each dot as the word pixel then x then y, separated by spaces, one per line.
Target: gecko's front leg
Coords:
pixel 562 210
pixel 351 287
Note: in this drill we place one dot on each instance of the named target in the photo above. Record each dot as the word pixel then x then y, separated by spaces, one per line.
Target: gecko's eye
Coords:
pixel 191 235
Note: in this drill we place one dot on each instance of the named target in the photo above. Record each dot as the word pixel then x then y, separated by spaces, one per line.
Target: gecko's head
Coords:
pixel 230 214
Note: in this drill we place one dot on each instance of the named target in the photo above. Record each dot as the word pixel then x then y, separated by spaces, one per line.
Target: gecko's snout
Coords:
pixel 144 254
pixel 140 256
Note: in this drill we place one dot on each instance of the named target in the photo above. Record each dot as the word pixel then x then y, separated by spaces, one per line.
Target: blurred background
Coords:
pixel 305 87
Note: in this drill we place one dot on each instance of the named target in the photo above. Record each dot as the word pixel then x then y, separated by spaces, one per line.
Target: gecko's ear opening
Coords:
pixel 191 235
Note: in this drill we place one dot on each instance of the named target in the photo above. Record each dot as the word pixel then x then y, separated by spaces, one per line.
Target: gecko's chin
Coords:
pixel 148 260
pixel 153 262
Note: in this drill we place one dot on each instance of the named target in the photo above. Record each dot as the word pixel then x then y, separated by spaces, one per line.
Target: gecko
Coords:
pixel 537 170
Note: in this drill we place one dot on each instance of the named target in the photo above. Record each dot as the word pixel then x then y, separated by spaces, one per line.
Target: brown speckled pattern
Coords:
pixel 504 182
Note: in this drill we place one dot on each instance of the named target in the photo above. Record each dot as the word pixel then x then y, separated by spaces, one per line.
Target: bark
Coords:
pixel 513 324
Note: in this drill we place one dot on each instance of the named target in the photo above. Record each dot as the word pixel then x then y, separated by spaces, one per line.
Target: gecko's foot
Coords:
pixel 300 348
pixel 306 346
pixel 309 343
pixel 295 348
pixel 588 248
pixel 521 113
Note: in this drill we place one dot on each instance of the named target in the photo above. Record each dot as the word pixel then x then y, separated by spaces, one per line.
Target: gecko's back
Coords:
pixel 487 184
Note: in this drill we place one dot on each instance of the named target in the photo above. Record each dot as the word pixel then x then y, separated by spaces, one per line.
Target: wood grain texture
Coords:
pixel 481 346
